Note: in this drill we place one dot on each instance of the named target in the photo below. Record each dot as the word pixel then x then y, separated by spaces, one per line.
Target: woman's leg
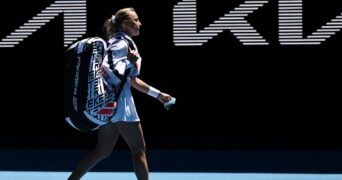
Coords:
pixel 107 138
pixel 133 135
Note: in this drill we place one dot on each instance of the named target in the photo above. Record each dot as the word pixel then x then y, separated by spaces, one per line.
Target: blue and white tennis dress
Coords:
pixel 118 63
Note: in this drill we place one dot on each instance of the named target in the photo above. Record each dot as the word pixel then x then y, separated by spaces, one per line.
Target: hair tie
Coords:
pixel 113 19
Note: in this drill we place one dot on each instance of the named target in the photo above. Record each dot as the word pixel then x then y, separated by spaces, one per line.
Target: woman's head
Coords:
pixel 125 20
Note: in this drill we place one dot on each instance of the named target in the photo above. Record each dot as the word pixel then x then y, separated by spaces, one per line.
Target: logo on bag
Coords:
pixel 108 109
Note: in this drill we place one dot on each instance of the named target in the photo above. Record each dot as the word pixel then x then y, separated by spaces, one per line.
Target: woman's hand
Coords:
pixel 133 55
pixel 163 97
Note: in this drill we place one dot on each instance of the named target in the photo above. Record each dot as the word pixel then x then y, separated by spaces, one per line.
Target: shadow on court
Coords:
pixel 178 160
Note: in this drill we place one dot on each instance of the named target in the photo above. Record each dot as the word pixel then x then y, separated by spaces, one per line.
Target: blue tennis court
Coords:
pixel 24 175
pixel 180 164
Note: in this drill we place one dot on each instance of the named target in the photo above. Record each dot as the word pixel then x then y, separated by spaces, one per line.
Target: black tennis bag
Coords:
pixel 87 104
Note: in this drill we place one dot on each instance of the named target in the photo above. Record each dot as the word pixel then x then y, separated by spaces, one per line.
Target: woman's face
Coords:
pixel 132 25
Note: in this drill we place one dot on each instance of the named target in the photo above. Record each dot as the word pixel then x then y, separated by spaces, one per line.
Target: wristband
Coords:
pixel 153 92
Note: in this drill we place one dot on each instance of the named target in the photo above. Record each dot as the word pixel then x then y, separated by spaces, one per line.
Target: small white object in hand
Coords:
pixel 168 104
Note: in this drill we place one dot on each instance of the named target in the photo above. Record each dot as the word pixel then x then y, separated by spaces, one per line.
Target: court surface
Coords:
pixel 176 164
pixel 22 175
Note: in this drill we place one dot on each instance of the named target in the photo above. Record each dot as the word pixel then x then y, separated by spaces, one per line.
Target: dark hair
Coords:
pixel 113 24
